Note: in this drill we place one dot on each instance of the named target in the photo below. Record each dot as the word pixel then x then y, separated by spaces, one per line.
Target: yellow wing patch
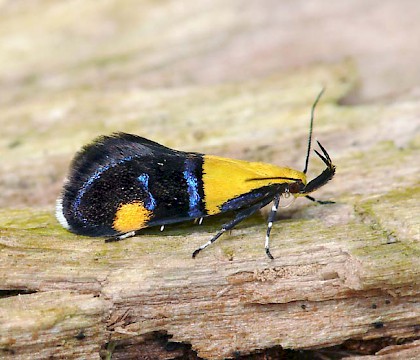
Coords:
pixel 225 179
pixel 131 216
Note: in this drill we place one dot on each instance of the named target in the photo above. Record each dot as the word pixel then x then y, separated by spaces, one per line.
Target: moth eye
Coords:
pixel 295 187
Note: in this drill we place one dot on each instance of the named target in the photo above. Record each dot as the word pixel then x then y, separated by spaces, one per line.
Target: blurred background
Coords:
pixel 234 78
pixel 53 45
pixel 71 70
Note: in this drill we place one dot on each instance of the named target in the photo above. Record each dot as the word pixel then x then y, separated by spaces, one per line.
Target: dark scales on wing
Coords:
pixel 123 168
pixel 122 183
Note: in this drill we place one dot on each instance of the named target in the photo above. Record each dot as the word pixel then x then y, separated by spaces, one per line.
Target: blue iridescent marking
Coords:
pixel 150 202
pixel 97 174
pixel 192 188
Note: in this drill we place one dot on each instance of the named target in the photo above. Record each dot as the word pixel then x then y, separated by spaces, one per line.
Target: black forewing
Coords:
pixel 114 147
pixel 106 173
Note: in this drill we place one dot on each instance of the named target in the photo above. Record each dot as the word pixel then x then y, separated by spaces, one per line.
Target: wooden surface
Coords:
pixel 343 272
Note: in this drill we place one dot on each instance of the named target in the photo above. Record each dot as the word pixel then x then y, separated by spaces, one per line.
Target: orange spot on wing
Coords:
pixel 131 216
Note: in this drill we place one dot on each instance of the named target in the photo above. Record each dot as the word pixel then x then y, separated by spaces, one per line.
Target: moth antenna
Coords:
pixel 273 178
pixel 310 129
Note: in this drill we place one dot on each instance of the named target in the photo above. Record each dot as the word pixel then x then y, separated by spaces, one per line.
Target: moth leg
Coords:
pixel 230 225
pixel 120 237
pixel 198 221
pixel 322 202
pixel 271 218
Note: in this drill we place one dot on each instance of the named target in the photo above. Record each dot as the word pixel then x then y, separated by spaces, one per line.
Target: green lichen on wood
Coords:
pixel 264 120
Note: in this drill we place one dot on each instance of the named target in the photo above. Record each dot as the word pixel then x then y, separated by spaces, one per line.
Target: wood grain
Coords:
pixel 347 272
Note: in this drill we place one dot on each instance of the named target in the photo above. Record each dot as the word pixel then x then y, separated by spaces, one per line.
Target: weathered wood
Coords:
pixel 318 292
pixel 52 324
pixel 408 351
pixel 344 271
